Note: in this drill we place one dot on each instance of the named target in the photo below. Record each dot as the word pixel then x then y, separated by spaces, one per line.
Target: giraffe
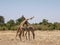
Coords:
pixel 28 29
pixel 22 28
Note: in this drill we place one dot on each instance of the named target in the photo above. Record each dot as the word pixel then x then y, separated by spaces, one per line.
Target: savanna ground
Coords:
pixel 41 38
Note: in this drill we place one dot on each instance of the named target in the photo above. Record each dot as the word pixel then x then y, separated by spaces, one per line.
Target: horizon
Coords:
pixel 41 9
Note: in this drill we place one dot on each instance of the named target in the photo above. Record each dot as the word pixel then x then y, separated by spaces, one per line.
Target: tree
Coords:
pixel 10 23
pixel 57 25
pixel 19 20
pixel 1 20
pixel 45 22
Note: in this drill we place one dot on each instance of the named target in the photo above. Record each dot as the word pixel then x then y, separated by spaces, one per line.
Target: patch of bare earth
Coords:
pixel 41 38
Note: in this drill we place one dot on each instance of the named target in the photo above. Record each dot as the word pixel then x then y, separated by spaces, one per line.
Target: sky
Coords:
pixel 40 9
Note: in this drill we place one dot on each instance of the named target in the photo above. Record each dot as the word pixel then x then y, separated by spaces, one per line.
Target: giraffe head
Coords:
pixel 32 17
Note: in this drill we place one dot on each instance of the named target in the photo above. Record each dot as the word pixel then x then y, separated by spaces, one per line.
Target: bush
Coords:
pixel 13 28
pixel 3 28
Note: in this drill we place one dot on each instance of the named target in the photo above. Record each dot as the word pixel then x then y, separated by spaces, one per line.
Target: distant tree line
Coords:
pixel 12 25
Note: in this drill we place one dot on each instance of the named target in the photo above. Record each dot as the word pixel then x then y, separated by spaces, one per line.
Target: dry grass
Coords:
pixel 41 38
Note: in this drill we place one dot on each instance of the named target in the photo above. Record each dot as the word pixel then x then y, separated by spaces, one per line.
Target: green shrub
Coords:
pixel 13 28
pixel 3 28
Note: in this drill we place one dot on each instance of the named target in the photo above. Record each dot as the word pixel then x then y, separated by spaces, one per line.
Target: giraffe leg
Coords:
pixel 20 35
pixel 33 34
pixel 23 33
pixel 17 31
pixel 26 35
pixel 29 35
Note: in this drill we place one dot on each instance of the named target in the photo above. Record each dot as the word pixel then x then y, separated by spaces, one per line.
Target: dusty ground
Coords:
pixel 42 38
